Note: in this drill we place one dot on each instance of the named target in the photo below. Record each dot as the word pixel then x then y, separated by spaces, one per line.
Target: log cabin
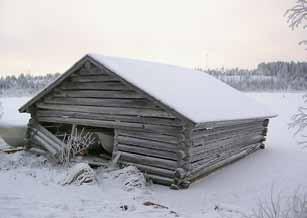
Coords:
pixel 174 124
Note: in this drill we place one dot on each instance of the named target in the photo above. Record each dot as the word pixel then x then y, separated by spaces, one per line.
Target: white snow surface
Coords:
pixel 32 187
pixel 196 95
pixel 11 117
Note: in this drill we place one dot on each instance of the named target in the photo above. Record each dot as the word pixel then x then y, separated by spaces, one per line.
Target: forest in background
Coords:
pixel 24 85
pixel 273 76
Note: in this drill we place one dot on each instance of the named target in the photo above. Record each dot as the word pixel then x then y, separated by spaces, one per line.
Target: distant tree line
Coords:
pixel 24 85
pixel 273 76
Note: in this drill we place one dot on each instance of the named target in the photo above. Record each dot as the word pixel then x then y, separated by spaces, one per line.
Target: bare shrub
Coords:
pixel 276 206
pixel 76 143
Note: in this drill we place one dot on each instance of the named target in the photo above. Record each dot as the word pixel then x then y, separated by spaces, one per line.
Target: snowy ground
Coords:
pixel 30 187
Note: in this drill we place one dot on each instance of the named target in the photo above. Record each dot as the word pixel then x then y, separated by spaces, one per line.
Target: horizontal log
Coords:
pixel 216 124
pixel 159 179
pixel 219 148
pixel 202 171
pixel 147 151
pixel 224 154
pixel 97 94
pixel 149 136
pixel 110 124
pixel 206 132
pixel 91 71
pixel 93 78
pixel 106 110
pixel 117 118
pixel 212 141
pixel 37 150
pixel 146 143
pixel 153 170
pixel 94 86
pixel 225 134
pixel 151 161
pixel 125 103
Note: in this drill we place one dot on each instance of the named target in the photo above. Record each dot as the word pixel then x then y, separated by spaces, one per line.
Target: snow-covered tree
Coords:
pixel 1 110
pixel 297 16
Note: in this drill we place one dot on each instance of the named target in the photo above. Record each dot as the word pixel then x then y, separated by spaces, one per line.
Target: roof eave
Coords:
pixel 212 124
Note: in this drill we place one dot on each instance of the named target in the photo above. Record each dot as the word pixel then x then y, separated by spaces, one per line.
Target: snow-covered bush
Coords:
pixel 76 143
pixel 79 174
pixel 128 178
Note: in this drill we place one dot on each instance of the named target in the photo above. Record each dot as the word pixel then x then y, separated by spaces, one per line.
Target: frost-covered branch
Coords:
pixel 76 143
pixel 1 110
pixel 299 121
pixel 297 16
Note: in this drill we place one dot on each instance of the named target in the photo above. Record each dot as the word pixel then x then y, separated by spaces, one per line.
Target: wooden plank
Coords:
pixel 159 179
pixel 35 124
pixel 151 161
pixel 207 132
pixel 225 139
pixel 215 124
pixel 153 170
pixel 147 151
pixel 133 103
pixel 117 118
pixel 94 86
pixel 220 135
pixel 48 140
pixel 150 136
pixel 146 143
pixel 110 124
pixel 92 70
pixel 106 110
pixel 97 94
pixel 38 140
pixel 93 78
pixel 223 146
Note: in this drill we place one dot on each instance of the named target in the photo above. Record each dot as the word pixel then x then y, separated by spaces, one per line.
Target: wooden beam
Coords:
pixel 106 110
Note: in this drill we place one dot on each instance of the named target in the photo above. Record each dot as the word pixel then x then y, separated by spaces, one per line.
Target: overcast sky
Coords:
pixel 38 36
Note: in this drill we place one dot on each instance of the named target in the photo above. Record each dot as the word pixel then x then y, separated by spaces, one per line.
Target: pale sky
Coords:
pixel 38 36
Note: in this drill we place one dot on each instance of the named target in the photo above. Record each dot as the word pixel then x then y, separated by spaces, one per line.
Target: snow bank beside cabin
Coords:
pixel 11 116
pixel 197 95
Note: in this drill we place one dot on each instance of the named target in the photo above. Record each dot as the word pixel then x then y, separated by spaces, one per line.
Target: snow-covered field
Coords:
pixel 31 187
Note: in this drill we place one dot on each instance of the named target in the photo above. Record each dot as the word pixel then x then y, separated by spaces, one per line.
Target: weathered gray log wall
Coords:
pixel 213 146
pixel 153 153
pixel 92 97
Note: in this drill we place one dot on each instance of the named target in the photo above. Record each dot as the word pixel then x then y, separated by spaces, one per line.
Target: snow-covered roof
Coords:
pixel 194 94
